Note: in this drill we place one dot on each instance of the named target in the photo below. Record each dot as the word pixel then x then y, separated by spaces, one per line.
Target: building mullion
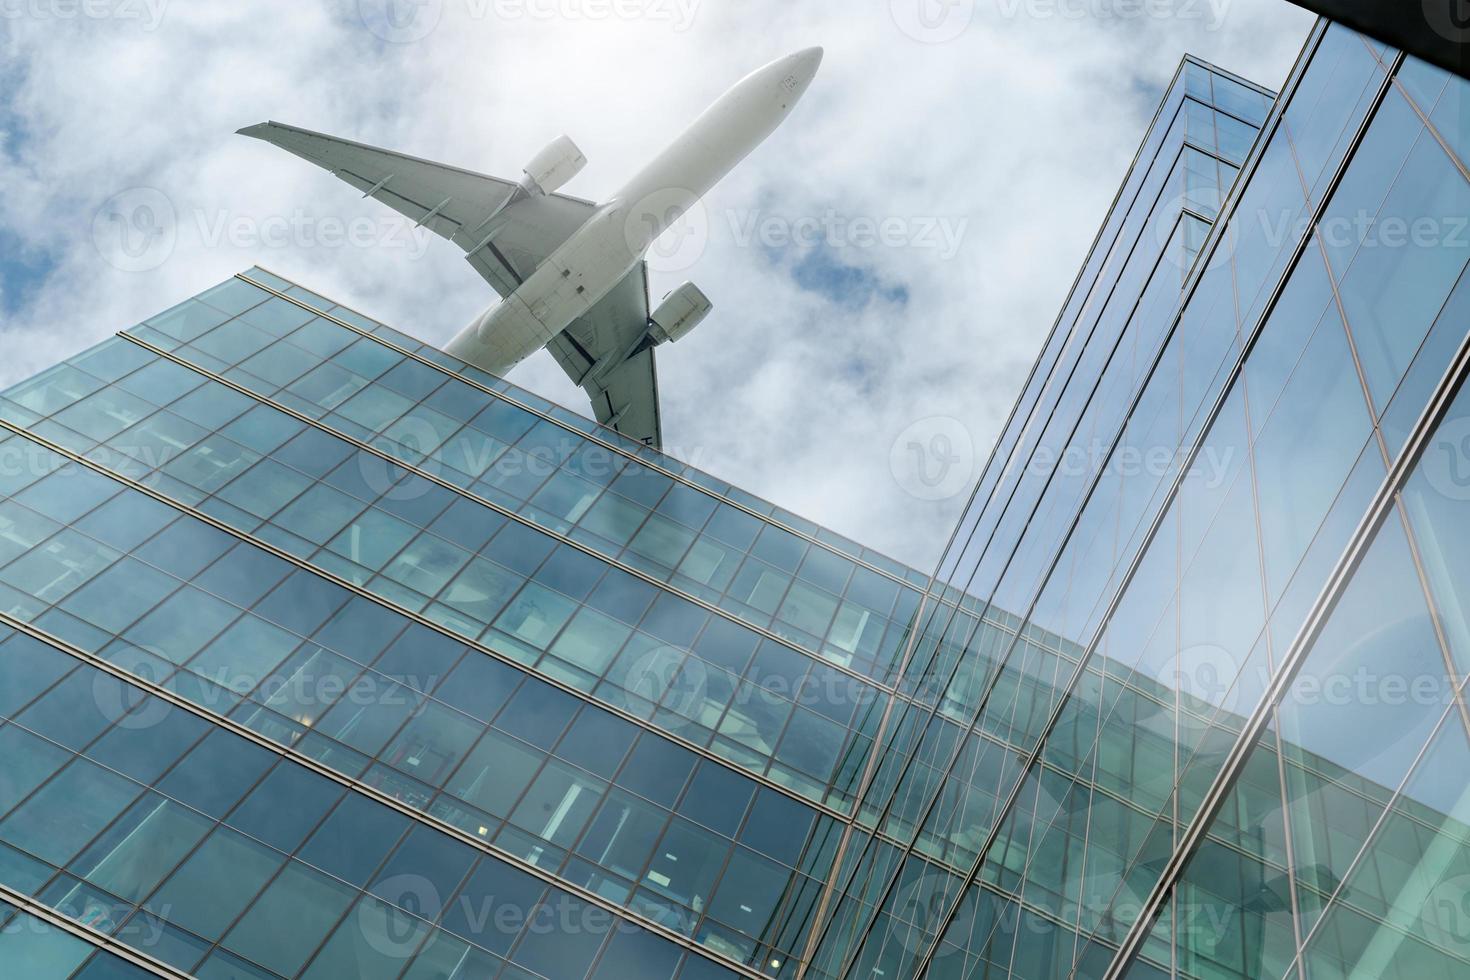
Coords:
pixel 1382 505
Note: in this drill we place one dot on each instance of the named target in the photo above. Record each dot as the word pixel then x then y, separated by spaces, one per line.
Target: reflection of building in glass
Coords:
pixel 1258 768
pixel 323 655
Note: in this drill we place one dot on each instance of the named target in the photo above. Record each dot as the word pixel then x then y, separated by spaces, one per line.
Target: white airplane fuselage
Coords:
pixel 587 266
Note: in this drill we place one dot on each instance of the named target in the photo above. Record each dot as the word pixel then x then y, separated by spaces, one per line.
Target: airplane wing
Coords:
pixel 624 397
pixel 458 204
pixel 453 203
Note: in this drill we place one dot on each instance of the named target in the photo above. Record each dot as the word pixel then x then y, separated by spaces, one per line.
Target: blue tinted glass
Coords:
pixel 571 572
pixel 303 602
pixel 186 547
pixel 106 967
pixel 425 855
pixel 566 951
pixel 597 741
pixel 520 548
pixel 778 826
pixel 718 799
pixel 248 574
pixel 215 883
pixel 217 773
pixel 28 667
pixel 622 596
pixel 29 761
pixel 354 839
pixel 64 815
pixel 148 740
pixel 362 628
pixel 76 710
pixel 493 905
pixel 674 620
pixel 538 714
pixel 263 429
pixel 285 806
pixel 67 495
pixel 127 520
pixel 637 954
pixel 30 948
pixel 480 686
pixel 314 452
pixel 658 769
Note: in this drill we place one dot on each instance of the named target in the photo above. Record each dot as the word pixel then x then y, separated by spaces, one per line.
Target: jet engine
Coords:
pixel 680 312
pixel 558 163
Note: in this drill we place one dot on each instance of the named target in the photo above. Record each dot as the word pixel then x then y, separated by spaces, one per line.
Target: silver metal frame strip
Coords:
pixel 103 942
pixel 600 440
pixel 347 782
pixel 1327 599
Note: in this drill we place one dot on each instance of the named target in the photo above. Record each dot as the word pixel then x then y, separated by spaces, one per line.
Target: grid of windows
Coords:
pixel 434 724
pixel 549 474
pixel 1071 754
pixel 33 947
pixel 959 660
pixel 424 548
pixel 1301 398
pixel 224 859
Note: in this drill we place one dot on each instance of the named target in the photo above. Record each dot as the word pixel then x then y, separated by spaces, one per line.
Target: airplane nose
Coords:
pixel 810 59
pixel 800 67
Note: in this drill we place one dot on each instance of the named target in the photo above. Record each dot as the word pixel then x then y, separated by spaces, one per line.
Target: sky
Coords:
pixel 884 269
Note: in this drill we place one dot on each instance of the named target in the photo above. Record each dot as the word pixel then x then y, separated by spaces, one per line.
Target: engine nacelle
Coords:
pixel 558 163
pixel 680 312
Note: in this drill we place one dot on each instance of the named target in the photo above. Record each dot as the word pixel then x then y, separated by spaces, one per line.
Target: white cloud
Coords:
pixel 1016 133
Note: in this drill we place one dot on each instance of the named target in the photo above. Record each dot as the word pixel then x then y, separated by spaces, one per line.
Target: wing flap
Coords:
pixel 625 396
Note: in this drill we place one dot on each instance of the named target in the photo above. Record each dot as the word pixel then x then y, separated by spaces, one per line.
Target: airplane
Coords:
pixel 571 272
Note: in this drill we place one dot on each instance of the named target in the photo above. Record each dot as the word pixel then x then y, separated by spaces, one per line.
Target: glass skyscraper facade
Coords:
pixel 1223 732
pixel 323 654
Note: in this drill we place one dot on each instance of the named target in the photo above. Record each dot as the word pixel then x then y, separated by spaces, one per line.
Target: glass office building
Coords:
pixel 323 654
pixel 1224 733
